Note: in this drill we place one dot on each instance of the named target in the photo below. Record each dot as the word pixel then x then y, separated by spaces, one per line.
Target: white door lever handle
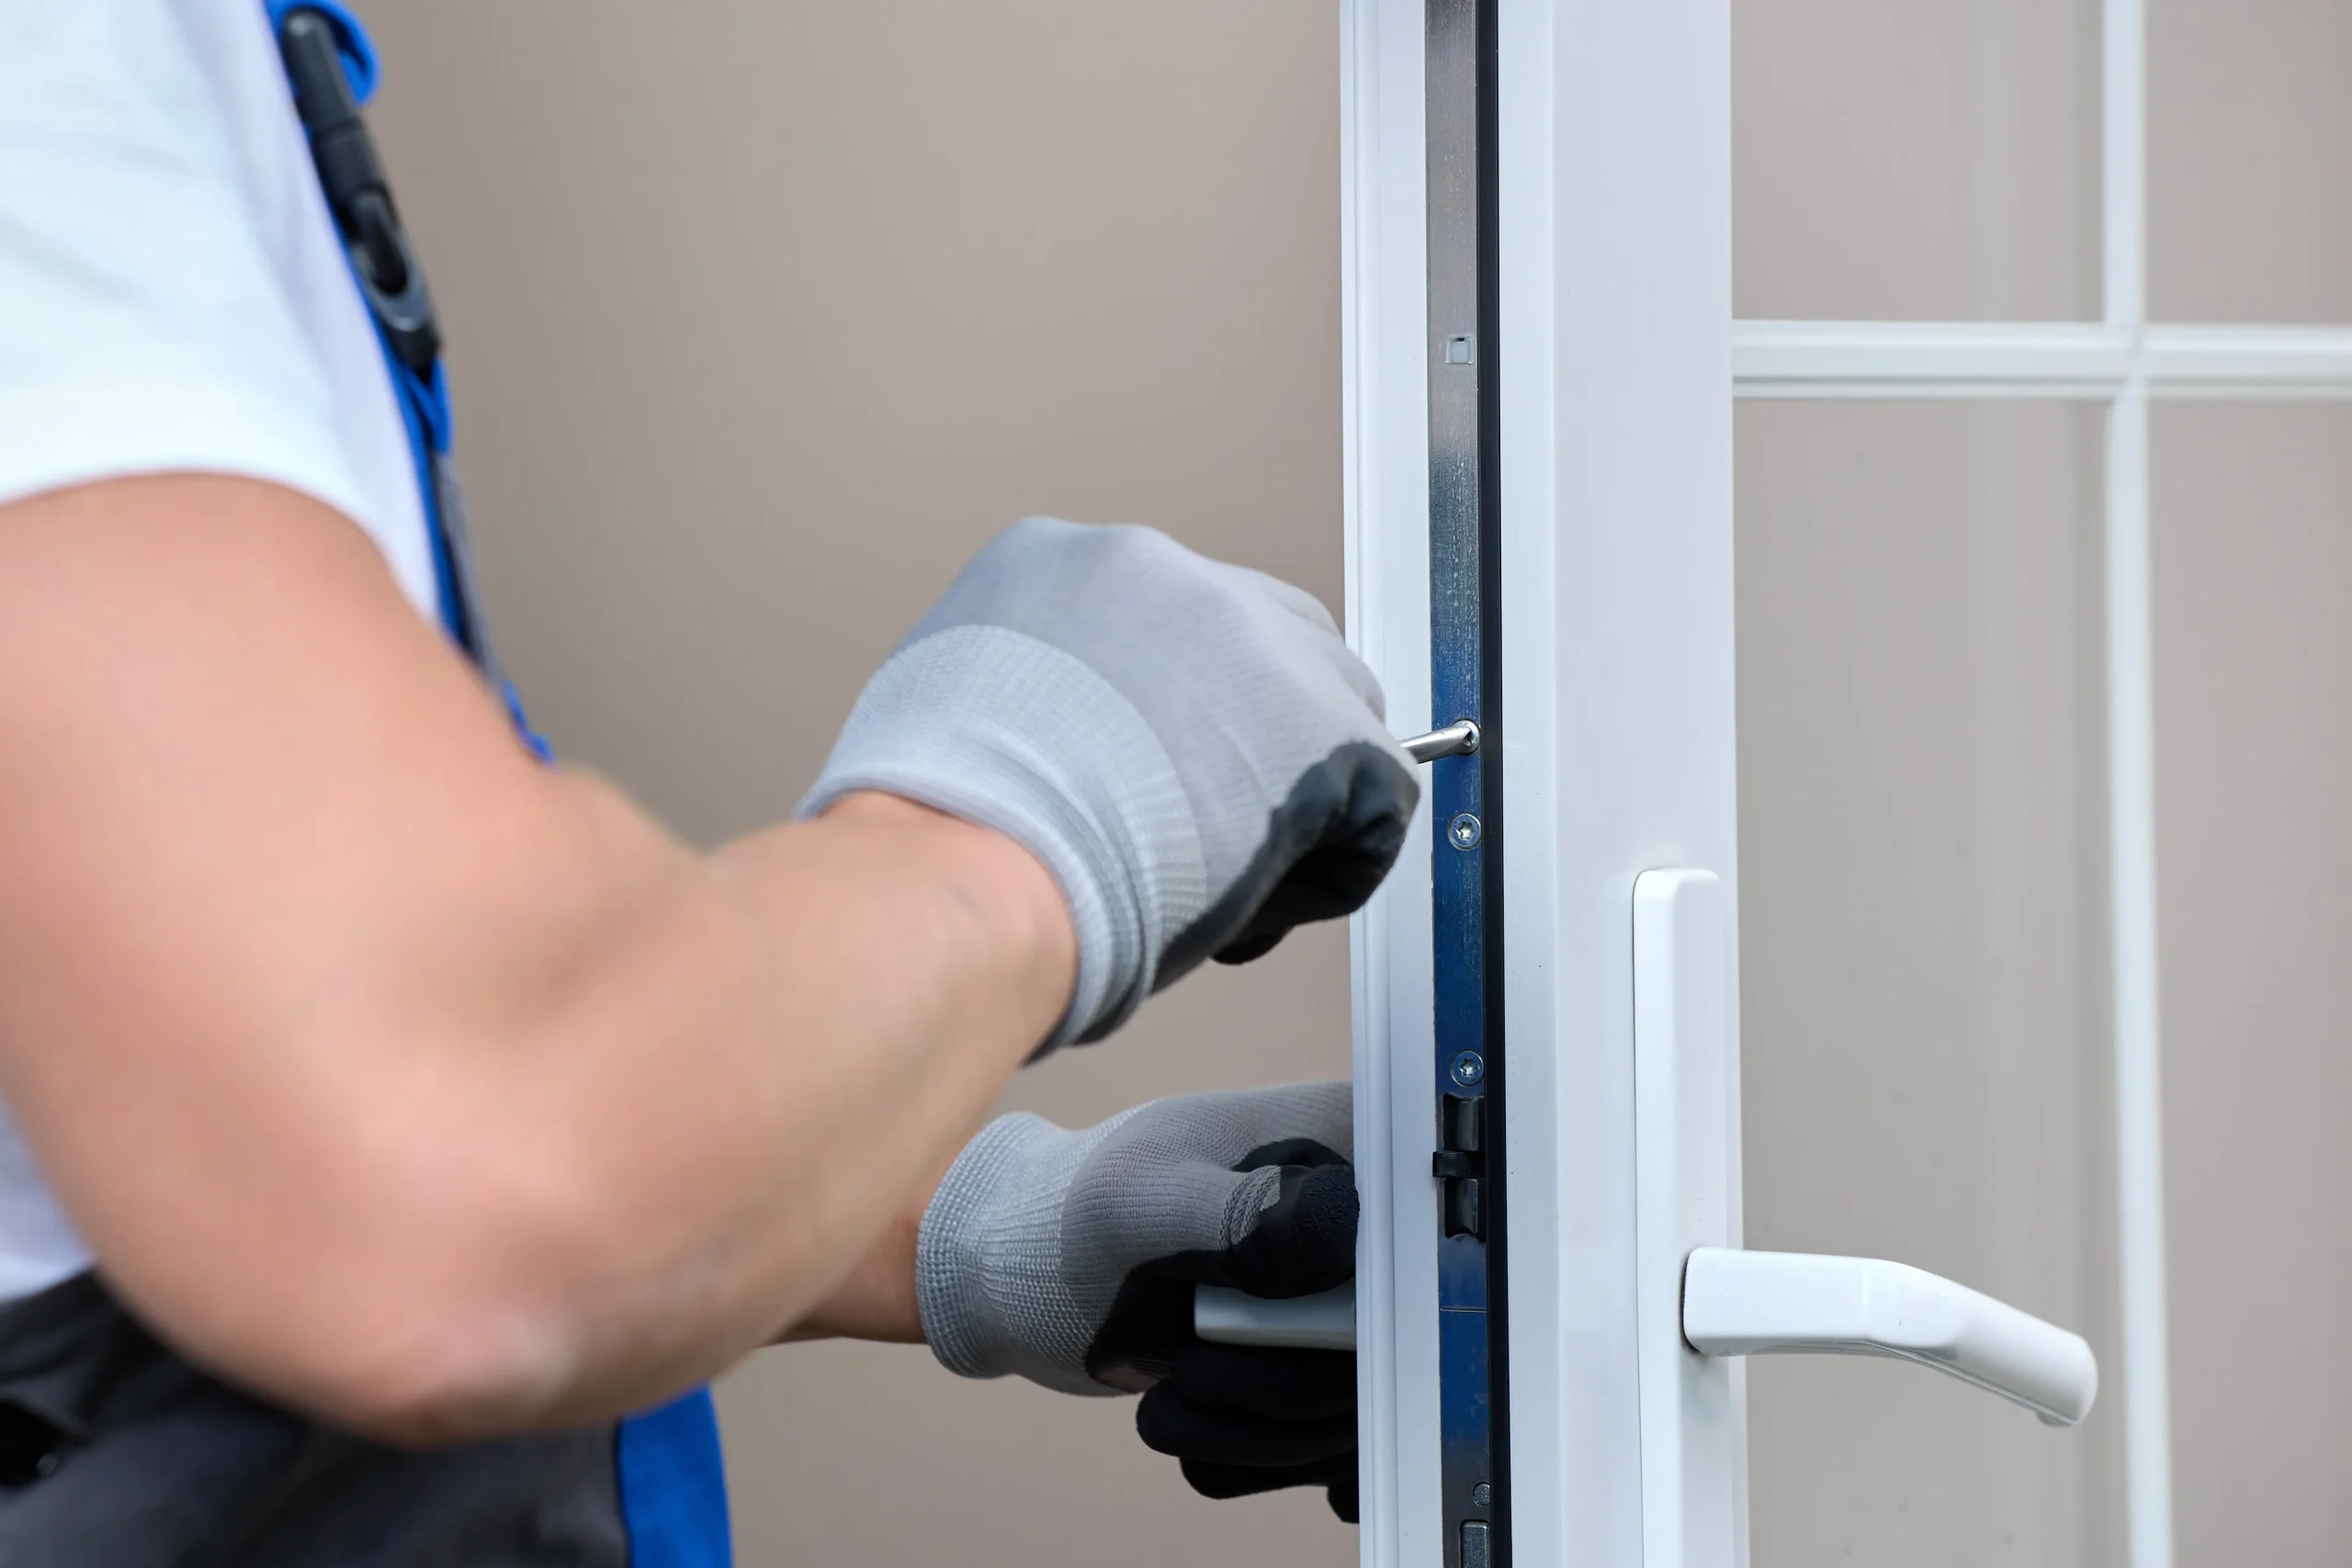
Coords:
pixel 1758 1303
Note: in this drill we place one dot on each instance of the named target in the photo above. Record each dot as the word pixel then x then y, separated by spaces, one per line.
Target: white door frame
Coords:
pixel 1616 736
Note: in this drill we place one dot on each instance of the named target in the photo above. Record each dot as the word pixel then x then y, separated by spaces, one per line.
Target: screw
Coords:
pixel 1469 1068
pixel 1465 831
pixel 1481 1495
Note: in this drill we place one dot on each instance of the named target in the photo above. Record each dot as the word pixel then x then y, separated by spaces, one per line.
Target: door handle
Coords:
pixel 1325 1321
pixel 1700 1302
pixel 1765 1304
pixel 1699 1289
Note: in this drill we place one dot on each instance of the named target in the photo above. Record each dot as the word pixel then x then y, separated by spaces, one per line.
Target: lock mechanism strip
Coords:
pixel 1465 788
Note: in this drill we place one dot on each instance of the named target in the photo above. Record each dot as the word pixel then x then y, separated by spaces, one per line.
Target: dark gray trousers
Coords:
pixel 117 1453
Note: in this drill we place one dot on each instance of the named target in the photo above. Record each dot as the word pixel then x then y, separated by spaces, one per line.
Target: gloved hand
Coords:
pixel 1187 746
pixel 1070 1257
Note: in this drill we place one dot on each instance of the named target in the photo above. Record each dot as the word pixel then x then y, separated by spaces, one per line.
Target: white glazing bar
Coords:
pixel 1937 359
pixel 2131 792
pixel 2246 362
pixel 2036 360
pixel 1368 937
pixel 2124 162
pixel 2139 1100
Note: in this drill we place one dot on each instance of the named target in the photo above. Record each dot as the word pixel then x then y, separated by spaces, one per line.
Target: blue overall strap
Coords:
pixel 672 1478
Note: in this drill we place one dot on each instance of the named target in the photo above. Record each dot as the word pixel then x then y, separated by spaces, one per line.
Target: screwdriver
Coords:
pixel 1457 739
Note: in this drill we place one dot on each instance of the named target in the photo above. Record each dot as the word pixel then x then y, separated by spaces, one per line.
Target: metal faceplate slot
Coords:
pixel 1465 792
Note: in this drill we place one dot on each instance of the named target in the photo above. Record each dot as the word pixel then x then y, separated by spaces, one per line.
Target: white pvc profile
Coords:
pixel 2124 162
pixel 2246 362
pixel 2139 1099
pixel 1385 436
pixel 2131 791
pixel 1894 359
pixel 1613 213
pixel 1615 484
pixel 2088 360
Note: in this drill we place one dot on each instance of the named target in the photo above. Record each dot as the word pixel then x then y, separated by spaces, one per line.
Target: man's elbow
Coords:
pixel 440 1309
pixel 440 1373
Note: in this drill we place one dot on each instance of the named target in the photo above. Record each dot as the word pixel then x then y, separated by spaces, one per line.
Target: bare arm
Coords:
pixel 409 1081
pixel 877 1299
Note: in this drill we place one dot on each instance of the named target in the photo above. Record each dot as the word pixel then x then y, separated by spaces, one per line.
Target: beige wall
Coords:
pixel 764 316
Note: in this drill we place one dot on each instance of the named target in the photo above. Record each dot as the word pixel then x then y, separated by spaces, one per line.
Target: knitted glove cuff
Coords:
pixel 987 1257
pixel 1015 735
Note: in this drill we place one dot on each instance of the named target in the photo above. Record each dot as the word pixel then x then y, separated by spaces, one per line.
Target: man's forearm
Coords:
pixel 877 1299
pixel 410 1082
pixel 911 962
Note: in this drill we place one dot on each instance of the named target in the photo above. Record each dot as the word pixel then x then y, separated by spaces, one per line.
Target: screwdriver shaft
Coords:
pixel 1457 740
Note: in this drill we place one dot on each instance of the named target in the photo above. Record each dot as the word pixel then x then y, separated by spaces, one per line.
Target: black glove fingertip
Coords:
pixel 1306 1241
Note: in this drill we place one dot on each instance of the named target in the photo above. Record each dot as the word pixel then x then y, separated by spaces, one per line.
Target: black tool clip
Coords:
pixel 356 191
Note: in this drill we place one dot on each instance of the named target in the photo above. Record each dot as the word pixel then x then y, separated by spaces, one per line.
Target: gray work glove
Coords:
pixel 1071 1258
pixel 1187 746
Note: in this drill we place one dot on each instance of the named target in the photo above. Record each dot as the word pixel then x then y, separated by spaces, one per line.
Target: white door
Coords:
pixel 1597 337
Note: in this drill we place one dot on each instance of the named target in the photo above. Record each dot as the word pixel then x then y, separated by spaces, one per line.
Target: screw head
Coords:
pixel 1469 1069
pixel 1482 1495
pixel 1465 831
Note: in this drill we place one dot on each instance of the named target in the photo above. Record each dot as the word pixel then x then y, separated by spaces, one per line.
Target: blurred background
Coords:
pixel 764 316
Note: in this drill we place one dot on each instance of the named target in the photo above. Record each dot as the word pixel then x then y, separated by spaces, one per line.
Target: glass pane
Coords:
pixel 1921 966
pixel 2254 727
pixel 2250 161
pixel 1929 159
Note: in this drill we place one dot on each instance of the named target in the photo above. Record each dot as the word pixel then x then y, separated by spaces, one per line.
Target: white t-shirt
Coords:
pixel 174 297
